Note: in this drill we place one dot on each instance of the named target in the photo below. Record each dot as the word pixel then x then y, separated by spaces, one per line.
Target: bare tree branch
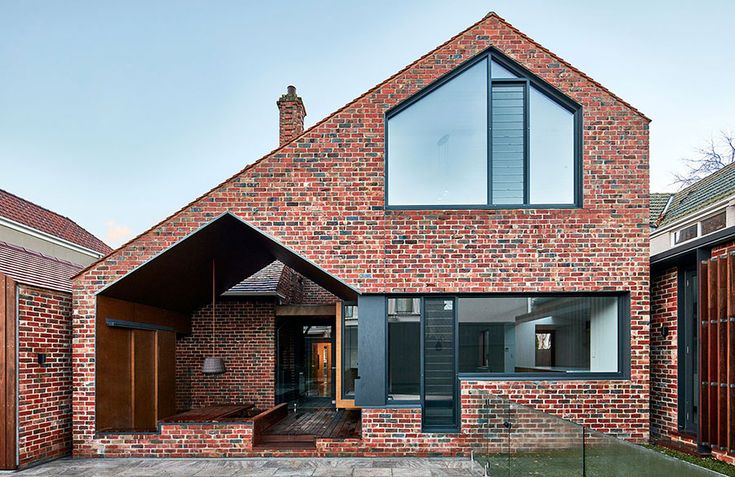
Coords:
pixel 708 159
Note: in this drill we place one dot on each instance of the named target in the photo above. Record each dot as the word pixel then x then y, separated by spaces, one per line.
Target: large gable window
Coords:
pixel 488 135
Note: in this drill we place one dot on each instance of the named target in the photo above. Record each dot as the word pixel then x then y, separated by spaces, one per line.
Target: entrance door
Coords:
pixel 689 353
pixel 439 369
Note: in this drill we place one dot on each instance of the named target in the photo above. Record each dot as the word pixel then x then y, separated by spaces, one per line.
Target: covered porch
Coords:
pixel 274 333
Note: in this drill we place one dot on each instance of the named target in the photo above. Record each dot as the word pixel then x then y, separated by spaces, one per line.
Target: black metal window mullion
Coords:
pixel 489 130
pixel 526 149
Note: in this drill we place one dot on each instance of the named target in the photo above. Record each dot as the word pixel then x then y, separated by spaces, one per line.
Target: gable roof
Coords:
pixel 34 268
pixel 263 282
pixel 490 16
pixel 27 213
pixel 707 191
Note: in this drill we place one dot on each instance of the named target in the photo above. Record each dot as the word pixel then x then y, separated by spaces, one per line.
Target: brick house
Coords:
pixel 475 225
pixel 39 252
pixel 692 229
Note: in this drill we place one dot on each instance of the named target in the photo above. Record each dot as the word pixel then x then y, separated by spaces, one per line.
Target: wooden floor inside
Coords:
pixel 319 422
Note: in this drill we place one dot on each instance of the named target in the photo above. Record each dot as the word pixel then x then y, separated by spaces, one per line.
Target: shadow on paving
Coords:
pixel 291 467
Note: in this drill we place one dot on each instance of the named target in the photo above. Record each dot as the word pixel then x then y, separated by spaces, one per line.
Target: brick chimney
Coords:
pixel 292 114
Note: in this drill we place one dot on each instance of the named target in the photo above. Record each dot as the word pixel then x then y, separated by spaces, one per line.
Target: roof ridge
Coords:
pixel 40 254
pixel 708 177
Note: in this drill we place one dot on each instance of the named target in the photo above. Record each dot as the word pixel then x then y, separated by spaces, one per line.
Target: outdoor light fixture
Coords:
pixel 213 364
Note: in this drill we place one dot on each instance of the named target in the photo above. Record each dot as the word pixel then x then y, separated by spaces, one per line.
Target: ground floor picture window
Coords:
pixel 569 334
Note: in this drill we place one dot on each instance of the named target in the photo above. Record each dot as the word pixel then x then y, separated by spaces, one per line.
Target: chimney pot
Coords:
pixel 291 115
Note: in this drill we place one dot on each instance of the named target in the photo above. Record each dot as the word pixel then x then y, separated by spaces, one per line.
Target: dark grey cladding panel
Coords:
pixel 372 353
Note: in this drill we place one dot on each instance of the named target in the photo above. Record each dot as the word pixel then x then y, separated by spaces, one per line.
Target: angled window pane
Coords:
pixel 497 71
pixel 437 147
pixel 508 143
pixel 551 149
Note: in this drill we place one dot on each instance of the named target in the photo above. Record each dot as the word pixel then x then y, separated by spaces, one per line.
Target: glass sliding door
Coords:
pixel 439 369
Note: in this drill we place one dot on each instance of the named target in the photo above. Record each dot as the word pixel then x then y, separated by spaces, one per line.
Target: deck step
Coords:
pixel 296 438
pixel 286 442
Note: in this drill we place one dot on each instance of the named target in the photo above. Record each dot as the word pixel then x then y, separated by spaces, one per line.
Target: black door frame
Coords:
pixel 687 350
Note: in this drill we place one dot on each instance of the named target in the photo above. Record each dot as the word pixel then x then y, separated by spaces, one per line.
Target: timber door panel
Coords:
pixel 7 373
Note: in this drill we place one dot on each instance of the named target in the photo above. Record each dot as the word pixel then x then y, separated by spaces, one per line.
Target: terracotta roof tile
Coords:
pixel 34 268
pixel 36 217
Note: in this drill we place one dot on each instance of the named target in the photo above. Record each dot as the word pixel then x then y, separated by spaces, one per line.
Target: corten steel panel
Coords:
pixel 114 403
pixel 714 404
pixel 166 373
pixel 731 349
pixel 128 361
pixel 144 380
pixel 179 278
pixel 370 387
pixel 717 353
pixel 722 417
pixel 7 373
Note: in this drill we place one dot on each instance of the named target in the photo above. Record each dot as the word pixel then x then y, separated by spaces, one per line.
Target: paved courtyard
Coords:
pixel 337 467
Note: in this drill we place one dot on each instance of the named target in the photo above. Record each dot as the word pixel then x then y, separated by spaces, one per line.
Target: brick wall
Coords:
pixel 322 196
pixel 664 357
pixel 724 248
pixel 245 339
pixel 44 393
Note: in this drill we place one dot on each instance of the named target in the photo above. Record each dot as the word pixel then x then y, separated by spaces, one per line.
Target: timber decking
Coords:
pixel 209 414
pixel 322 422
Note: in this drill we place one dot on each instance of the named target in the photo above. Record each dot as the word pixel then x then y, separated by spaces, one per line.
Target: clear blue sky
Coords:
pixel 118 113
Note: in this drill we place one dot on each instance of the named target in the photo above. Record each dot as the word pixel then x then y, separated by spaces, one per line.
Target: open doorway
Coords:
pixel 305 367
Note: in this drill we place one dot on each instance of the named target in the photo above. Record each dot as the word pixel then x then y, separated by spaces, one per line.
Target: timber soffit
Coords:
pixel 489 16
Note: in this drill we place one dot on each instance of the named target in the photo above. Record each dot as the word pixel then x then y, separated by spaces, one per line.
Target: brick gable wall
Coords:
pixel 44 391
pixel 322 196
pixel 245 333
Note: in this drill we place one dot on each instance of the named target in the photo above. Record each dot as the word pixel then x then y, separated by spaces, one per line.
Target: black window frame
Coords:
pixel 624 339
pixel 525 77
pixel 403 402
pixel 343 350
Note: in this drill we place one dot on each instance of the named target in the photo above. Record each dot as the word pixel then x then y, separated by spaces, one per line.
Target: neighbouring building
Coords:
pixel 39 252
pixel 692 309
pixel 475 225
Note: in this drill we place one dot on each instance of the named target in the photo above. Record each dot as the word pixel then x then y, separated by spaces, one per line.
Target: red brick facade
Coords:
pixel 664 356
pixel 44 391
pixel 245 333
pixel 322 196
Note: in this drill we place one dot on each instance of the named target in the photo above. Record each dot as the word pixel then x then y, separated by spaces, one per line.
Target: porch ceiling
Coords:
pixel 179 278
